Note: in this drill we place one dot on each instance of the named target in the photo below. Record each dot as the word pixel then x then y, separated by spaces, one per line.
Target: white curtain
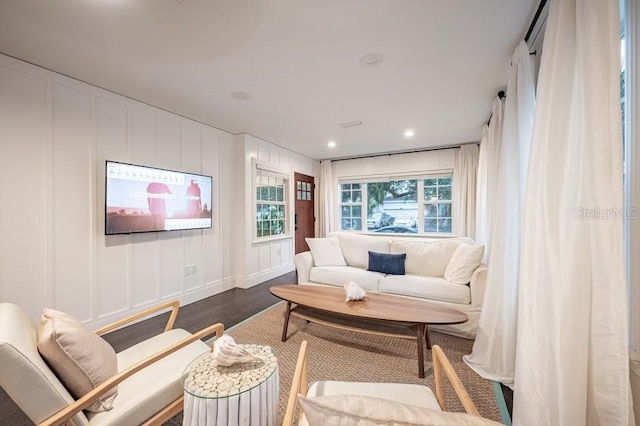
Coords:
pixel 488 164
pixel 572 365
pixel 494 350
pixel 326 193
pixel 465 182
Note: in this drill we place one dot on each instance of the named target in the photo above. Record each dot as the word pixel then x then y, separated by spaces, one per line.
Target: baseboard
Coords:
pixel 255 279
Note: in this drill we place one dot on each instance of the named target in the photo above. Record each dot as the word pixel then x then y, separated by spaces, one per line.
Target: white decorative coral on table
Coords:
pixel 227 352
pixel 354 291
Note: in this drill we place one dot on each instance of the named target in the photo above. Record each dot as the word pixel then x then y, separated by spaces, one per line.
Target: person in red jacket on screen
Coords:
pixel 194 202
pixel 157 206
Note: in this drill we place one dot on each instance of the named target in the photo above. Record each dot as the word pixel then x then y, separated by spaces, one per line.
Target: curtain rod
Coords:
pixel 388 154
pixel 535 20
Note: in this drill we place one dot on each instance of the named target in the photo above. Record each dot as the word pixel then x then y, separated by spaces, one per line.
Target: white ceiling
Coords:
pixel 444 61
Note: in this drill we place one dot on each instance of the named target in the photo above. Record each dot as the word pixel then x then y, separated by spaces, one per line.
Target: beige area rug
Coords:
pixel 350 356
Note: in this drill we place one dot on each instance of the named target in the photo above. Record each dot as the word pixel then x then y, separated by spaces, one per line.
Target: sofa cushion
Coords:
pixel 326 251
pixel 425 258
pixel 358 410
pixel 355 248
pixel 434 288
pixel 464 261
pixel 339 275
pixel 387 263
pixel 80 358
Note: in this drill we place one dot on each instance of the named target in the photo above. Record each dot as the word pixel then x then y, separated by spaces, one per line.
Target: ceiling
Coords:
pixel 443 62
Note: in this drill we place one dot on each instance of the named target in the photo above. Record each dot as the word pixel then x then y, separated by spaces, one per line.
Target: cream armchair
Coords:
pixel 350 403
pixel 148 377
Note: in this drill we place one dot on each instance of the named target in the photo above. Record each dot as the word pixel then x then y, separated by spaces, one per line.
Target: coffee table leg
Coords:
pixel 286 322
pixel 426 336
pixel 420 340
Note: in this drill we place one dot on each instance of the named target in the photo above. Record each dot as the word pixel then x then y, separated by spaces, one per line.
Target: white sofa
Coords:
pixel 427 262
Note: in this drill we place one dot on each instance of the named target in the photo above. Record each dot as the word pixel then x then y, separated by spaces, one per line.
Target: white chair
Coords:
pixel 148 378
pixel 405 394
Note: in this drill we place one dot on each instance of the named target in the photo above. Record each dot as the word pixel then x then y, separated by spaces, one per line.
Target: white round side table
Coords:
pixel 240 395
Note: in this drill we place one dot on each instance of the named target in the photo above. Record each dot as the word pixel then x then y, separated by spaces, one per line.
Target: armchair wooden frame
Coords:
pixel 441 363
pixel 170 410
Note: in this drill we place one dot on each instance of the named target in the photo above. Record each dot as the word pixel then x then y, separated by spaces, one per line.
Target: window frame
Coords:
pixel 263 169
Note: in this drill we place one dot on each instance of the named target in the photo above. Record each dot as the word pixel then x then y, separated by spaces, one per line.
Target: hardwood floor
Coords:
pixel 229 308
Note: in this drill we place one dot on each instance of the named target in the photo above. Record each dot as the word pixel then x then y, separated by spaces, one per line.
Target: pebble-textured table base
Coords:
pixel 242 394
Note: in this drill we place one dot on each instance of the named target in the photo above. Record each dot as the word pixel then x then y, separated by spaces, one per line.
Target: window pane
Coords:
pixel 280 193
pixel 430 193
pixel 299 185
pixel 346 211
pixel 444 193
pixel 430 210
pixel 430 182
pixel 356 211
pixel 357 196
pixel 444 210
pixel 356 224
pixel 444 181
pixel 430 225
pixel 444 225
pixel 346 196
pixel 346 224
pixel 356 186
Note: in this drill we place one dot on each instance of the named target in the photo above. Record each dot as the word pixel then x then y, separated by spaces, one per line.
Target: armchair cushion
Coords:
pixel 81 359
pixel 359 410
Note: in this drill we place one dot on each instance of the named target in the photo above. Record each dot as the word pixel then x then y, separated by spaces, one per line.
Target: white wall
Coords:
pixel 260 260
pixel 55 135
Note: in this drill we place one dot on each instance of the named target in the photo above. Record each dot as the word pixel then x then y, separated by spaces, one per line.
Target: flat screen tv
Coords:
pixel 148 199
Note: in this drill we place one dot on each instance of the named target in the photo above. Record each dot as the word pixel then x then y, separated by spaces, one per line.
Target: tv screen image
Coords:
pixel 149 199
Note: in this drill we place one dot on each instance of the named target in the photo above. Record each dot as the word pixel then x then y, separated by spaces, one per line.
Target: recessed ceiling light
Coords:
pixel 240 96
pixel 409 134
pixel 331 144
pixel 371 60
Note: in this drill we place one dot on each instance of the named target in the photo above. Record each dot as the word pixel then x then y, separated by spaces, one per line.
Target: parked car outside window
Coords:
pixel 377 220
pixel 397 230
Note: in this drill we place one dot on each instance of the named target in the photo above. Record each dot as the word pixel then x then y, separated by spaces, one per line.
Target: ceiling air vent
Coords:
pixel 351 124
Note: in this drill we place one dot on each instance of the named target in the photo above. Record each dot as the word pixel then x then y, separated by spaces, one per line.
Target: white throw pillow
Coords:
pixel 356 247
pixel 463 263
pixel 357 410
pixel 426 258
pixel 326 251
pixel 80 358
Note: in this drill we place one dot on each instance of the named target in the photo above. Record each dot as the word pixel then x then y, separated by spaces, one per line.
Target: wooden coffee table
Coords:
pixel 378 313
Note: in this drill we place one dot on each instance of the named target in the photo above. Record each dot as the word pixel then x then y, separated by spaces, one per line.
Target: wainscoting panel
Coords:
pixel 113 278
pixel 23 189
pixel 71 174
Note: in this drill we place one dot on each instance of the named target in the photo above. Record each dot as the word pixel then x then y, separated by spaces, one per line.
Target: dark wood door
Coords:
pixel 304 219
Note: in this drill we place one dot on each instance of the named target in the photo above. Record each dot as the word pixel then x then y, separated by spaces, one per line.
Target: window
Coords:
pixel 407 206
pixel 303 190
pixel 351 206
pixel 271 206
pixel 437 204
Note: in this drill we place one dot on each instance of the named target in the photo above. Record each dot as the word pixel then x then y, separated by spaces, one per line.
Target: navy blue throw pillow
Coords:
pixel 387 263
